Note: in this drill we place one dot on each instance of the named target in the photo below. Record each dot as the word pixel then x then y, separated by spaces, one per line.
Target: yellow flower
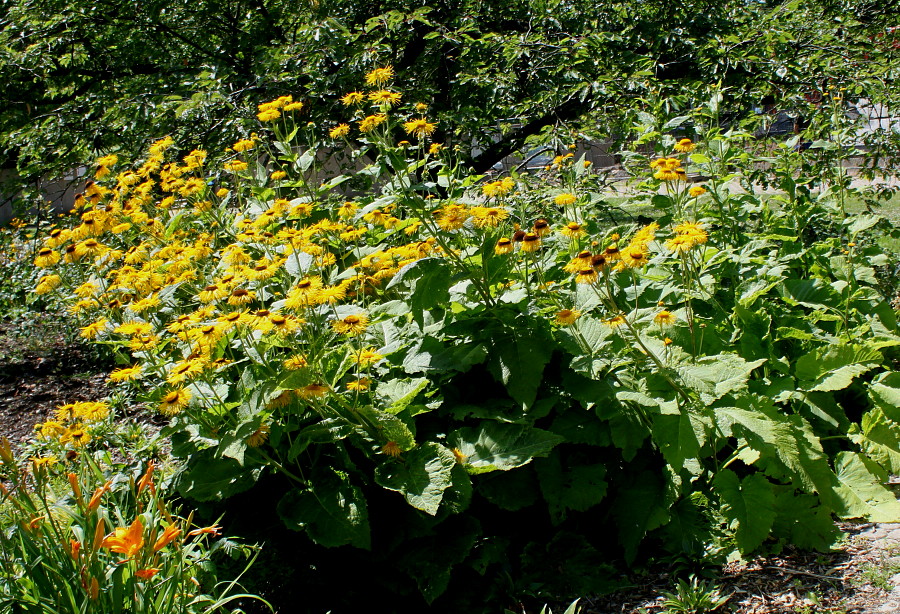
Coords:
pixel 351 325
pixel 352 98
pixel 504 246
pixel 380 76
pixel 277 175
pixel 295 362
pixel 93 329
pixel 126 374
pixel 572 230
pixel 615 321
pixel 76 435
pixel 47 284
pixel 665 318
pixel 565 199
pixel 268 115
pixel 567 316
pixel 235 166
pixel 367 356
pixel 184 370
pixel 312 391
pixel 174 401
pixel 244 145
pixel 46 257
pixel 108 160
pixel 385 98
pixel 359 385
pixel 369 123
pixel 339 131
pixel 435 148
pixel 259 436
pixel 586 276
pixel 684 146
pixel 419 127
pixel 488 217
pixel 392 449
pixel 696 190
pixel 635 255
pixel 531 242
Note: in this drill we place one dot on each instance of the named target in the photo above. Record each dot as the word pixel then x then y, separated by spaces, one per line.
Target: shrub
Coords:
pixel 718 379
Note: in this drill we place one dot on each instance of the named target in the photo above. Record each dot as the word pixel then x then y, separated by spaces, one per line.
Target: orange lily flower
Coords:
pixel 127 541
pixel 170 533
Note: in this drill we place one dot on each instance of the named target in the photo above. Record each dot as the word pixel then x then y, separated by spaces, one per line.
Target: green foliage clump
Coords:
pixel 441 363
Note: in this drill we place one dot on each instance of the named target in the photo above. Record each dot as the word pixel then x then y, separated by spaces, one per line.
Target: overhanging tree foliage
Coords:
pixel 82 78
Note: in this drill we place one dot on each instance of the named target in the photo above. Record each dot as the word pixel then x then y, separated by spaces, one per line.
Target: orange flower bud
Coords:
pixel 147 479
pixel 76 489
pixel 94 503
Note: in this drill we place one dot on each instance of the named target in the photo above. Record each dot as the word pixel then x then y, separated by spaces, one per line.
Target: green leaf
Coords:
pixel 422 476
pixel 396 394
pixel 861 490
pixel 429 280
pixel 332 511
pixel 510 490
pixel 637 509
pixel 834 367
pixel 628 433
pixel 880 440
pixel 786 439
pixel 803 521
pixel 885 394
pixel 518 361
pixel 715 376
pixel 749 505
pixel 205 478
pixel 679 436
pixel 496 446
pixel 812 293
pixel 575 486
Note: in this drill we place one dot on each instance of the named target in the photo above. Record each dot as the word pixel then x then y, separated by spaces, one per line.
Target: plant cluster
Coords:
pixel 84 533
pixel 494 352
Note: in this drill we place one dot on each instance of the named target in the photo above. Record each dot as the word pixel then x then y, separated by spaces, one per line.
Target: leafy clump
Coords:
pixel 391 335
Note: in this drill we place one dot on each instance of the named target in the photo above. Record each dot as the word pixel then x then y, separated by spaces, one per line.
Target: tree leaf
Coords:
pixel 834 367
pixel 422 475
pixel 750 506
pixel 496 446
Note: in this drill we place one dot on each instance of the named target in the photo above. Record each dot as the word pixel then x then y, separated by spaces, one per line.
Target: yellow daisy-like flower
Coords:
pixel 380 76
pixel 352 98
pixel 566 317
pixel 126 374
pixel 241 296
pixel 586 276
pixel 359 385
pixel 615 321
pixel 367 356
pixel 504 246
pixel 385 98
pixel 635 255
pixel 77 435
pixel 665 318
pixel 435 148
pixel 684 146
pixel 292 106
pixel 488 217
pixel 184 370
pixel 572 230
pixel 392 449
pixel 46 257
pixel 353 324
pixel 174 401
pixel 268 115
pixel 565 199
pixel 259 436
pixel 339 131
pixel 92 330
pixel 277 176
pixel 369 123
pixel 295 363
pixel 696 190
pixel 531 242
pixel 244 145
pixel 108 160
pixel 419 128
